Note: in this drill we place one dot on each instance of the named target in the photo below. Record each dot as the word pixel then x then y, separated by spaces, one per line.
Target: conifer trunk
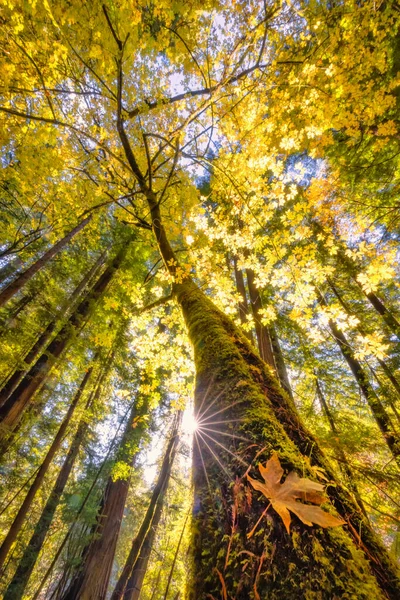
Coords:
pixel 27 275
pixel 379 412
pixel 23 511
pixel 12 409
pixel 342 458
pixel 241 289
pixel 262 334
pixel 28 560
pixel 131 579
pixel 44 337
pixel 92 578
pixel 233 382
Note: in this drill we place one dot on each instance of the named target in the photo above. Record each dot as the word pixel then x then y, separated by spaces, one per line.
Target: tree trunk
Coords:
pixel 178 547
pixel 280 362
pixel 378 410
pixel 233 382
pixel 243 306
pixel 24 277
pixel 16 588
pixel 263 339
pixel 23 511
pixel 91 580
pixel 342 458
pixel 40 344
pixel 131 579
pixel 248 400
pixel 12 409
pixel 387 316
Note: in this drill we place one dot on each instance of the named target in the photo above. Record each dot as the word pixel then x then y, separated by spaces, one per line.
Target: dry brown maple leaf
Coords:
pixel 284 497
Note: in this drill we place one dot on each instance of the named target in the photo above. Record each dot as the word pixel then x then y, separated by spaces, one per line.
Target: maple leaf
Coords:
pixel 284 497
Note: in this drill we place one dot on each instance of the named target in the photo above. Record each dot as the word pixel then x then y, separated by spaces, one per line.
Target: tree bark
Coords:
pixel 280 362
pixel 17 586
pixel 327 562
pixel 23 511
pixel 379 412
pixel 40 344
pixel 263 339
pixel 235 383
pixel 243 305
pixel 12 409
pixel 27 275
pixel 91 580
pixel 131 579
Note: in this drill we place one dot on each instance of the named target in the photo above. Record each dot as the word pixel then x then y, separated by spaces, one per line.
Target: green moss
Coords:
pixel 311 562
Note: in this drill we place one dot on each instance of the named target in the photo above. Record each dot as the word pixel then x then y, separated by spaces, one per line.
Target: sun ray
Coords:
pixel 224 448
pixel 232 435
pixel 204 466
pixel 219 411
pixel 214 455
pixel 209 405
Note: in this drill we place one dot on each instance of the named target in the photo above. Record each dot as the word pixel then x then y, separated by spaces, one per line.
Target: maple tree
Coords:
pixel 199 202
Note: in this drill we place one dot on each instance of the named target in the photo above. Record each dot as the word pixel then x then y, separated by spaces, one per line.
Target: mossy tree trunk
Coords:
pixel 255 419
pixel 235 388
pixel 91 580
pixel 130 582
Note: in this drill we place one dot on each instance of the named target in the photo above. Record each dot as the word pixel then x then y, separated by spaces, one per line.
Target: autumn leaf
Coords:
pixel 285 497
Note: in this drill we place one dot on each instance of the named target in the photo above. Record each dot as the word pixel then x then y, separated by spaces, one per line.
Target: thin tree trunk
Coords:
pixel 23 511
pixel 385 313
pixel 382 363
pixel 379 412
pixel 40 344
pixel 17 586
pixel 263 339
pixel 280 362
pixel 27 275
pixel 91 580
pixel 243 305
pixel 376 303
pixel 343 462
pixel 171 571
pixel 12 409
pixel 131 579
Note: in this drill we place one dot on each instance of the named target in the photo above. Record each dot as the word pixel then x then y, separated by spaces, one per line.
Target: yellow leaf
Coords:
pixel 284 497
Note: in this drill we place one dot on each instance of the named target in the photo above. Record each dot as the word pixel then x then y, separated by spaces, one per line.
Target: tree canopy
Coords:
pixel 199 299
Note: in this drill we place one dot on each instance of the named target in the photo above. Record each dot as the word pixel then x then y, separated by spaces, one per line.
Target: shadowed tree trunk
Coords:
pixel 379 412
pixel 178 547
pixel 241 289
pixel 23 511
pixel 44 337
pixel 342 458
pixel 24 277
pixel 130 581
pixel 280 362
pixel 28 560
pixel 92 578
pixel 263 339
pixel 12 409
